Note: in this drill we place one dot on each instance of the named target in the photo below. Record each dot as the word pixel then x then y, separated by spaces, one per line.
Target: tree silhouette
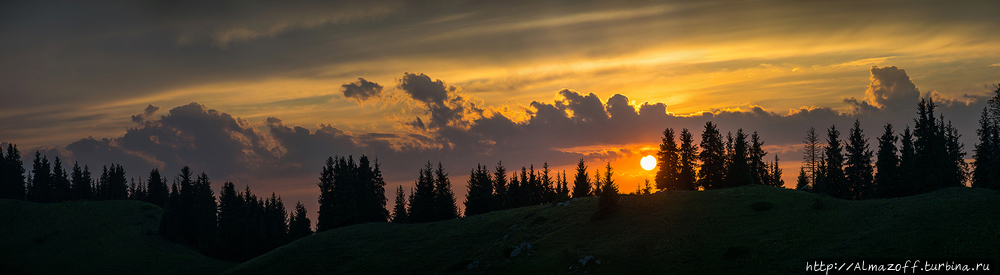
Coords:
pixel 157 192
pixel 41 183
pixel 858 170
pixel 906 184
pixel 668 162
pixel 713 158
pixel 233 224
pixel 80 184
pixel 500 196
pixel 564 193
pixel 608 201
pixel 60 182
pixel 326 197
pixel 986 165
pixel 738 173
pixel 812 154
pixel 887 165
pixel 759 173
pixel 938 153
pixel 422 199
pixel 444 198
pixel 399 209
pixel 834 169
pixel 597 183
pixel 350 193
pixel 802 182
pixel 775 174
pixel 688 162
pixel 480 195
pixel 12 174
pixel 581 182
pixel 299 225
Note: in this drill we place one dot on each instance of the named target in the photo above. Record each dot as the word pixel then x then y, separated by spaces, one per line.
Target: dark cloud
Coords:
pixel 891 88
pixel 445 107
pixel 146 114
pixel 362 89
pixel 421 88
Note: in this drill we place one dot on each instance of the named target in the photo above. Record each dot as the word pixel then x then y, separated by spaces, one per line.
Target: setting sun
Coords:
pixel 648 162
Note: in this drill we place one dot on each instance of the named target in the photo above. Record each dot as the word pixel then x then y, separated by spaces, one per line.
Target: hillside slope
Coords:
pixel 754 229
pixel 103 237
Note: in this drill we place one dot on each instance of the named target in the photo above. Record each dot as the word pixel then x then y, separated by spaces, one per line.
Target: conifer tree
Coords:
pixel 738 173
pixel 802 182
pixel 514 191
pixel 775 174
pixel 275 223
pixel 858 169
pixel 597 183
pixel 203 214
pixel 422 201
pixel 668 162
pixel 157 192
pixel 299 226
pixel 759 173
pixel 399 214
pixel 500 195
pixel 887 165
pixel 81 183
pixel 713 158
pixel 524 194
pixel 232 221
pixel 906 184
pixel 548 193
pixel 480 195
pixel 325 220
pixel 444 198
pixel 986 166
pixel 564 194
pixel 608 202
pixel 41 183
pixel 581 182
pixel 812 154
pixel 60 182
pixel 834 169
pixel 688 157
pixel 12 184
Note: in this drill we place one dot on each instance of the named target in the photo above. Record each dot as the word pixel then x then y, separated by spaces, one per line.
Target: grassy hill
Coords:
pixel 105 237
pixel 754 229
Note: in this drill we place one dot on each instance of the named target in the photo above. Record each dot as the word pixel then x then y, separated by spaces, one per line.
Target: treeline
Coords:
pixel 930 157
pixel 737 161
pixel 236 227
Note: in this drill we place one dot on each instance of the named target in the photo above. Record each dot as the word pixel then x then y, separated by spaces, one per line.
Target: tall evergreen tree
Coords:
pixel 775 174
pixel 41 183
pixel 157 192
pixel 759 172
pixel 422 199
pixel 373 187
pixel 739 173
pixel 956 170
pixel 858 169
pixel 986 165
pixel 399 209
pixel 500 196
pixel 906 183
pixel 597 183
pixel 524 194
pixel 12 176
pixel 688 161
pixel 668 162
pixel 887 165
pixel 275 223
pixel 835 185
pixel 608 201
pixel 802 182
pixel 203 215
pixel 299 226
pixel 549 193
pixel 480 195
pixel 81 183
pixel 114 183
pixel 444 198
pixel 581 182
pixel 812 154
pixel 232 221
pixel 713 158
pixel 325 220
pixel 564 194
pixel 60 182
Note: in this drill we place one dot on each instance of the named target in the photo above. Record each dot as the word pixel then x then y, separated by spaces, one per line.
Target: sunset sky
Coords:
pixel 259 93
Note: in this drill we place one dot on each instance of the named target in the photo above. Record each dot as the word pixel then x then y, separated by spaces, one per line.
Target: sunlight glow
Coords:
pixel 648 163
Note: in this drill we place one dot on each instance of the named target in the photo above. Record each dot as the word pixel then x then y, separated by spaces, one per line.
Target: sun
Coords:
pixel 648 162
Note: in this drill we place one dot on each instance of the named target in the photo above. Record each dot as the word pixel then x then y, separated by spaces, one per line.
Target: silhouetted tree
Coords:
pixel 759 173
pixel 858 169
pixel 938 153
pixel 480 195
pixel 887 165
pixel 548 193
pixel 233 224
pixel 608 202
pixel 203 217
pixel 775 174
pixel 906 184
pixel 12 174
pixel 688 162
pixel 564 193
pixel 525 190
pixel 986 165
pixel 444 198
pixel 112 185
pixel 581 182
pixel 812 154
pixel 41 183
pixel 834 166
pixel 60 182
pixel 80 184
pixel 668 162
pixel 157 192
pixel 399 209
pixel 422 199
pixel 514 191
pixel 500 196
pixel 597 183
pixel 275 224
pixel 325 221
pixel 350 193
pixel 299 225
pixel 802 182
pixel 738 173
pixel 713 158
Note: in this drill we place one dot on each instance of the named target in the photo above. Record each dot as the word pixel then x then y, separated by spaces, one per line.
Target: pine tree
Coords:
pixel 203 213
pixel 581 182
pixel 834 169
pixel 524 192
pixel 739 173
pixel 887 165
pixel 157 188
pixel 548 193
pixel 812 154
pixel 232 223
pixel 956 170
pixel 858 169
pixel 12 176
pixel 759 173
pixel 399 209
pixel 41 183
pixel 713 158
pixel 60 182
pixel 500 195
pixel 564 194
pixel 597 183
pixel 275 223
pixel 444 198
pixel 906 183
pixel 324 221
pixel 775 174
pixel 480 195
pixel 422 200
pixel 80 184
pixel 299 226
pixel 986 166
pixel 688 157
pixel 374 192
pixel 668 162
pixel 802 182
pixel 115 185
pixel 608 202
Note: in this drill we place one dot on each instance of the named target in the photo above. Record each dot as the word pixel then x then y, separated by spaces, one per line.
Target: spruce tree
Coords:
pixel 157 192
pixel 812 154
pixel 688 162
pixel 422 201
pixel 203 213
pixel 597 183
pixel 564 194
pixel 12 179
pixel 80 184
pixel 759 173
pixel 399 209
pixel 275 223
pixel 500 195
pixel 41 184
pixel 548 193
pixel 61 190
pixel 232 223
pixel 887 165
pixel 713 158
pixel 802 182
pixel 581 182
pixel 739 173
pixel 480 195
pixel 986 165
pixel 444 198
pixel 835 185
pixel 325 219
pixel 858 169
pixel 668 162
pixel 906 183
pixel 299 226
pixel 775 174
pixel 608 202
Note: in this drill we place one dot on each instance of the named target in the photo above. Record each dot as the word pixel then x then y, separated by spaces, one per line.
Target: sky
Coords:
pixel 261 92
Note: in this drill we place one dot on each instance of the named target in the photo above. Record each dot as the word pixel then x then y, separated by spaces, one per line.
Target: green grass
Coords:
pixel 754 229
pixel 106 237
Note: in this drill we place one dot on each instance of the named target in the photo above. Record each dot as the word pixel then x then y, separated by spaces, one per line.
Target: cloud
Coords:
pixel 146 114
pixel 444 105
pixel 421 88
pixel 362 89
pixel 891 88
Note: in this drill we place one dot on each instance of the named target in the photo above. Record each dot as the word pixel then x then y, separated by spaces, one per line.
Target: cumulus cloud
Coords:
pixel 362 89
pixel 891 88
pixel 445 107
pixel 146 114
